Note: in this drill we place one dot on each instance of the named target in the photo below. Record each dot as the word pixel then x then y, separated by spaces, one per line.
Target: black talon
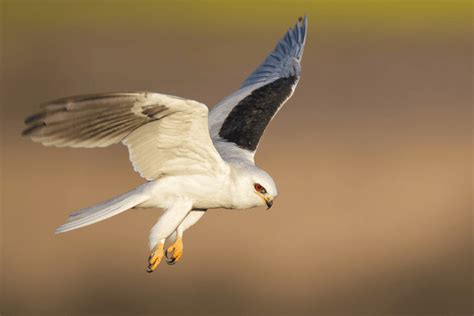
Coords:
pixel 171 261
pixel 149 260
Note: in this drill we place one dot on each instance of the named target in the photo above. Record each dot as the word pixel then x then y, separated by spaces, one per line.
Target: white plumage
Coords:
pixel 192 161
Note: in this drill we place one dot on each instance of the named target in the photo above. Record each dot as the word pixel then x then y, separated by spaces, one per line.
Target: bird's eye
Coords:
pixel 259 188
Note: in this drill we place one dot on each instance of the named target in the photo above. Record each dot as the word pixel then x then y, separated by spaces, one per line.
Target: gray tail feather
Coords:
pixel 99 212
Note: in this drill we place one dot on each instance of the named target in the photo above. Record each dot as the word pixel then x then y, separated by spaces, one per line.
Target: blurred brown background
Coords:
pixel 372 158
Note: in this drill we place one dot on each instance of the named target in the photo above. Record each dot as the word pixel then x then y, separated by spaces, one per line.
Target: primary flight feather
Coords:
pixel 193 160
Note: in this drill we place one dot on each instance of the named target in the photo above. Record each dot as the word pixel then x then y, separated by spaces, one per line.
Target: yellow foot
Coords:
pixel 174 252
pixel 155 258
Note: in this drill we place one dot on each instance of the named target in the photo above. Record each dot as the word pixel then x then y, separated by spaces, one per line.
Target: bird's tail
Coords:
pixel 104 210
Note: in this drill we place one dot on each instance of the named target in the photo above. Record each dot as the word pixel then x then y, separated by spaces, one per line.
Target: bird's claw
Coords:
pixel 155 258
pixel 174 252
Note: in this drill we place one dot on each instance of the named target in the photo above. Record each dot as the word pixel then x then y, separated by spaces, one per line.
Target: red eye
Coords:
pixel 258 187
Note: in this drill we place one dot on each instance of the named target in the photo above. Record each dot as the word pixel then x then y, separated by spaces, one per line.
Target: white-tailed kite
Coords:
pixel 192 161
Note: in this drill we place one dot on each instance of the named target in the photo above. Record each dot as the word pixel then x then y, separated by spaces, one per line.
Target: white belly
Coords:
pixel 205 191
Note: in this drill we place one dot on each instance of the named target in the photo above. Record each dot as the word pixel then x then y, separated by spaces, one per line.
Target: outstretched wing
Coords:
pixel 237 123
pixel 164 134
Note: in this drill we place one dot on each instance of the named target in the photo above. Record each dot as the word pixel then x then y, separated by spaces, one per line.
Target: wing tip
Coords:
pixel 30 130
pixel 300 28
pixel 303 20
pixel 59 230
pixel 34 117
pixel 290 46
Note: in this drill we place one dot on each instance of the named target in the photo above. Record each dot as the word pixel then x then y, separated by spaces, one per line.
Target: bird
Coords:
pixel 192 159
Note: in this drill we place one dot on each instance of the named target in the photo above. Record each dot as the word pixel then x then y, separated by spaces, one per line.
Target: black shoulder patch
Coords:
pixel 247 121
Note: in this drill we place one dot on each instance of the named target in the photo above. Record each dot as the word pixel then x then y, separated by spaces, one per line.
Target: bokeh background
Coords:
pixel 372 158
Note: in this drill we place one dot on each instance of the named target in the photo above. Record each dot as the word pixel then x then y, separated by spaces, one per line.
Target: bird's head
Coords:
pixel 263 188
pixel 252 187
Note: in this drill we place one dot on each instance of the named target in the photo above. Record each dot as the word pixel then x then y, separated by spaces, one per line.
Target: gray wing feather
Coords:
pixel 164 134
pixel 284 60
pixel 91 120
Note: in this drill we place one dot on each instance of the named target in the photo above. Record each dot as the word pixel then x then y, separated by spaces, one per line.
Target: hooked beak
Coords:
pixel 267 198
pixel 269 203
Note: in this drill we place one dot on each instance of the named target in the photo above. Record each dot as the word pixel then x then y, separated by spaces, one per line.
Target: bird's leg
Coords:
pixel 166 225
pixel 155 257
pixel 175 251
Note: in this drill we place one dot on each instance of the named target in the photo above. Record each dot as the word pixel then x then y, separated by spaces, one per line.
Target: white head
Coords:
pixel 256 187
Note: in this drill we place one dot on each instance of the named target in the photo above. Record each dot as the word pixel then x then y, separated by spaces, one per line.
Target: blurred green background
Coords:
pixel 372 16
pixel 372 158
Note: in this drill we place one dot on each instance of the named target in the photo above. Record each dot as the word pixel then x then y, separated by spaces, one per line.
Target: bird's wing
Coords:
pixel 164 134
pixel 238 121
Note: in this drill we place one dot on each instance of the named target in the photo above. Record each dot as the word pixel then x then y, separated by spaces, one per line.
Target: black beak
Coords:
pixel 269 204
